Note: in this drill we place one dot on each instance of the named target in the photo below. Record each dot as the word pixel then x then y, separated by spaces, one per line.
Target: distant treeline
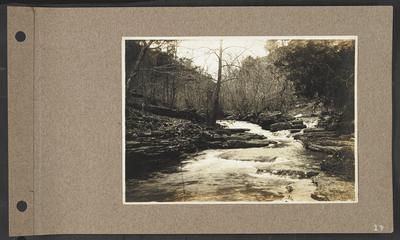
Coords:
pixel 318 70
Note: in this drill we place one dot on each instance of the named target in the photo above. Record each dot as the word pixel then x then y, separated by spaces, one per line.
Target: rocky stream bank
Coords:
pixel 155 142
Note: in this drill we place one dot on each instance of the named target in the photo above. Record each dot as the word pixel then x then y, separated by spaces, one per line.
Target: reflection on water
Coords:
pixel 273 173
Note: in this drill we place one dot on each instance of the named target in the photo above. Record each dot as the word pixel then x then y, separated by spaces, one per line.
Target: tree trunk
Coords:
pixel 137 63
pixel 215 109
pixel 173 94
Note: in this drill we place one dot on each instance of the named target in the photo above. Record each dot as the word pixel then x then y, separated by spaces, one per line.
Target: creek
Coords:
pixel 280 172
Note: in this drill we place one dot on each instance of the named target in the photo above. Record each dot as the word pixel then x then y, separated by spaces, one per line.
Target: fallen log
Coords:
pixel 168 112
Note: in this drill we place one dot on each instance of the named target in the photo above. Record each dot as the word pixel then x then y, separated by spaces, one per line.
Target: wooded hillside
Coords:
pixel 293 71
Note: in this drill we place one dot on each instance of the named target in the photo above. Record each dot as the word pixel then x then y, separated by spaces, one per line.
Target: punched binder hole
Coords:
pixel 22 206
pixel 20 36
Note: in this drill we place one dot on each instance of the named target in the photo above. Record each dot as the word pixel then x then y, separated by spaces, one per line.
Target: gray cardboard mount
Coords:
pixel 65 115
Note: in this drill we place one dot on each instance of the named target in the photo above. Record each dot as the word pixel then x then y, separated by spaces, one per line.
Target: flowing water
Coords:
pixel 273 173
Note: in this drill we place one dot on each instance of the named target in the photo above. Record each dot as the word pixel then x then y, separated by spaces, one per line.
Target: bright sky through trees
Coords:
pixel 200 50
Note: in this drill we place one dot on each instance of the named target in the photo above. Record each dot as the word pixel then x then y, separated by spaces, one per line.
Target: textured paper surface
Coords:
pixel 20 119
pixel 65 155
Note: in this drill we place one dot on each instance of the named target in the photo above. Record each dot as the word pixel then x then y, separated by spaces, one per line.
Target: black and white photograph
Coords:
pixel 239 119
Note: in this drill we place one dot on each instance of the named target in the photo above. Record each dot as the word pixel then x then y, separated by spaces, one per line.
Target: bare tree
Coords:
pixel 214 113
pixel 216 96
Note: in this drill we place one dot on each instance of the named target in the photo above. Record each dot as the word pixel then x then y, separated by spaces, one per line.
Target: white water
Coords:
pixel 250 174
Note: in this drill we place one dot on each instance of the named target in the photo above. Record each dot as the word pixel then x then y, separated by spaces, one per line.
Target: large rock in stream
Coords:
pixel 266 119
pixel 296 124
pixel 277 121
pixel 280 126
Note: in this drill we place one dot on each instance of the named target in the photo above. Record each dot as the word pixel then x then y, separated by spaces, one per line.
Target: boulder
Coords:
pixel 266 119
pixel 298 126
pixel 319 197
pixel 251 117
pixel 320 134
pixel 289 188
pixel 280 126
pixel 314 130
pixel 246 136
pixel 287 117
pixel 297 122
